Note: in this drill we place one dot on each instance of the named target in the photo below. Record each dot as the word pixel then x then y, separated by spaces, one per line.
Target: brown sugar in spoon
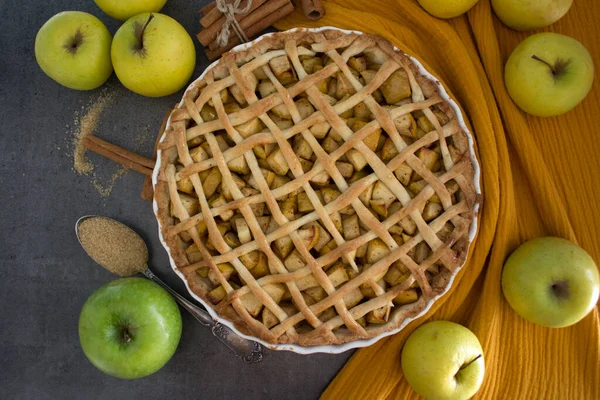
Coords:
pixel 120 250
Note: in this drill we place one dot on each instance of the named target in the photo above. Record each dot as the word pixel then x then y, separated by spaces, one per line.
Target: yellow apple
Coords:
pixel 443 360
pixel 523 15
pixel 153 55
pixel 551 281
pixel 125 9
pixel 548 74
pixel 447 8
pixel 73 48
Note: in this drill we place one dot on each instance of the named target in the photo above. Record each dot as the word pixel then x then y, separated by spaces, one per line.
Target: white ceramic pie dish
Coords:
pixel 335 349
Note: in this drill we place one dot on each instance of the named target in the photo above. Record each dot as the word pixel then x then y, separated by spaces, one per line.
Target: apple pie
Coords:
pixel 316 188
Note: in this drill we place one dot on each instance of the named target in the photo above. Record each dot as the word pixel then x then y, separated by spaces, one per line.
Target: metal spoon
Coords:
pixel 249 351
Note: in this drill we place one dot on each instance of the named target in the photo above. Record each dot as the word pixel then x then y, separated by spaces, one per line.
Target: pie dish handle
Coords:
pixel 249 351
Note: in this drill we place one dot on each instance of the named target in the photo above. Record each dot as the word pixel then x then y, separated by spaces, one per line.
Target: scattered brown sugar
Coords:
pixel 86 125
pixel 113 245
pixel 106 188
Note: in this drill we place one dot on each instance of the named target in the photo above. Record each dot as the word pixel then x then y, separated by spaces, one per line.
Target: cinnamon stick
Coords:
pixel 266 9
pixel 253 24
pixel 216 16
pixel 211 17
pixel 212 30
pixel 124 157
pixel 122 152
pixel 147 192
pixel 207 8
pixel 312 9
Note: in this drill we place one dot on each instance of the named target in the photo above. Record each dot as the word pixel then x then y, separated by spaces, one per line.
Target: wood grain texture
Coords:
pixel 540 177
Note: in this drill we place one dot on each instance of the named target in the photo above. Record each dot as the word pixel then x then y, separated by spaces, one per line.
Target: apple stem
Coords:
pixel 471 362
pixel 545 62
pixel 73 43
pixel 126 336
pixel 558 68
pixel 140 31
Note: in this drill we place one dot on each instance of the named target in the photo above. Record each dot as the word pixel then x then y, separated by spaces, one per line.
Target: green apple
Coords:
pixel 548 74
pixel 551 281
pixel 443 360
pixel 447 8
pixel 524 15
pixel 129 328
pixel 153 55
pixel 73 48
pixel 125 9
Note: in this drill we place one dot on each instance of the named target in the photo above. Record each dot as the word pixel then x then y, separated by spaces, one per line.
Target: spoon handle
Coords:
pixel 249 351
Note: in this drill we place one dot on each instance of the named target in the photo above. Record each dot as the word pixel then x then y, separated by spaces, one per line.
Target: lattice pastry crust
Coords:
pixel 315 188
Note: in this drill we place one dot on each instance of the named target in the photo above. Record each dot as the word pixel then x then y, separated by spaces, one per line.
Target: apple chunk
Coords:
pixel 338 275
pixel 190 203
pixel 254 305
pixel 282 69
pixel 381 192
pixel 357 160
pixel 309 235
pixel 353 298
pixel 294 261
pixel 406 297
pixel 379 315
pixel 249 128
pixel 376 251
pixel 226 270
pixel 277 162
pixel 236 92
pixel 350 227
pixel 396 87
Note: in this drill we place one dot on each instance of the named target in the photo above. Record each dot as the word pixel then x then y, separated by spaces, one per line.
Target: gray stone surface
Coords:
pixel 46 276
